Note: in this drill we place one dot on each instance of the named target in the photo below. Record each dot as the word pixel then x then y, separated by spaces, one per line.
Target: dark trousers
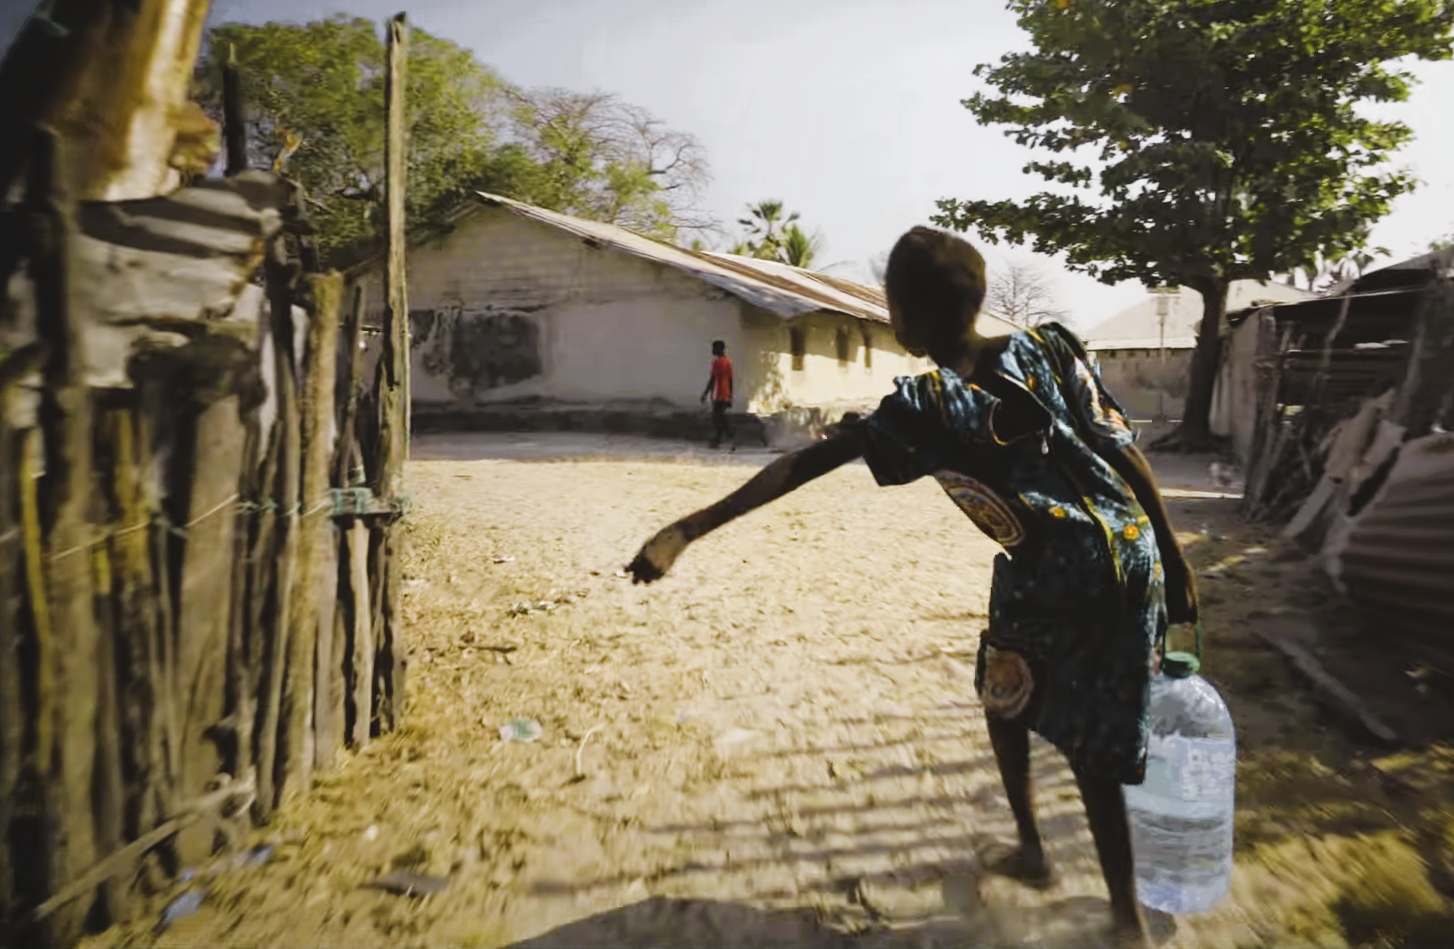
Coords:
pixel 721 423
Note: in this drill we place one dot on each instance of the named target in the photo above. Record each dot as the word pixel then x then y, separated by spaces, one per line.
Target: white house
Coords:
pixel 1145 350
pixel 515 309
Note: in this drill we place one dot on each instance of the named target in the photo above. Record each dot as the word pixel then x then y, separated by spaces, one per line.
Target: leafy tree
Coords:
pixel 1230 142
pixel 1021 293
pixel 318 88
pixel 1442 243
pixel 321 85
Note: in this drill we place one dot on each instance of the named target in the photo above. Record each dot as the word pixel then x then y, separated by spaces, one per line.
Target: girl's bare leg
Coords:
pixel 1105 810
pixel 1011 742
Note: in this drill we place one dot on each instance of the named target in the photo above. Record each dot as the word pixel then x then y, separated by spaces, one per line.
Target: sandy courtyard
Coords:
pixel 777 745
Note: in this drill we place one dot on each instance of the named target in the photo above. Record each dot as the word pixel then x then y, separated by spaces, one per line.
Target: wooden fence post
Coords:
pixel 394 397
pixel 69 660
pixel 283 334
pixel 234 122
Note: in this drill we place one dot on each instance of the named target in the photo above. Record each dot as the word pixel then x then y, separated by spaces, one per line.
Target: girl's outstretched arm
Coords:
pixel 1181 580
pixel 785 474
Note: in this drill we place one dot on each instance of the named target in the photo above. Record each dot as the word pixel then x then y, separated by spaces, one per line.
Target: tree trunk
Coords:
pixel 1195 431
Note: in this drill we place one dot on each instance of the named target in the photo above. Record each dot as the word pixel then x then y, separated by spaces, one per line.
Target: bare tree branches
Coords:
pixel 1020 292
pixel 614 161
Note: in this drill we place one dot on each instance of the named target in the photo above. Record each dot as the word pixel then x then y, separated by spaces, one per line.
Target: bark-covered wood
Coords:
pixel 350 384
pixel 234 122
pixel 109 790
pixel 12 710
pixel 127 856
pixel 66 491
pixel 201 631
pixel 357 604
pixel 138 672
pixel 308 691
pixel 270 770
pixel 393 398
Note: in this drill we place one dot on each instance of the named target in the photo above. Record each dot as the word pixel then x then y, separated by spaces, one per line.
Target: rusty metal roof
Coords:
pixel 790 292
pixel 1397 558
pixel 787 293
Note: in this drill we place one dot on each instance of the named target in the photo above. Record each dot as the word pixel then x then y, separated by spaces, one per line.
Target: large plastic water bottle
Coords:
pixel 1182 814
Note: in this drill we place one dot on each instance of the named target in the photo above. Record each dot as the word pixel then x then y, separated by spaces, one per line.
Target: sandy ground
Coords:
pixel 779 744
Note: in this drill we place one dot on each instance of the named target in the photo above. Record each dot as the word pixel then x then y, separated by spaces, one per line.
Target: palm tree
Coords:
pixel 765 221
pixel 798 249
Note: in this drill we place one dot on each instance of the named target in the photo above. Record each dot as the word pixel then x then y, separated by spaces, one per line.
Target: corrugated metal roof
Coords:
pixel 1406 273
pixel 777 288
pixel 1142 321
pixel 1150 342
pixel 1397 559
pixel 790 292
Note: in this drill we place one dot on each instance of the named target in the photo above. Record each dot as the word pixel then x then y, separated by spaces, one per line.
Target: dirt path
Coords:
pixel 778 745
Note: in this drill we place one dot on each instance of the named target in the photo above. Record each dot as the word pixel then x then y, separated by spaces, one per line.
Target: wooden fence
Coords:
pixel 199 528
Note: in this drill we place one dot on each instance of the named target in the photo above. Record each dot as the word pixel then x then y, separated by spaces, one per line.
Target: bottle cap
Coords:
pixel 1180 665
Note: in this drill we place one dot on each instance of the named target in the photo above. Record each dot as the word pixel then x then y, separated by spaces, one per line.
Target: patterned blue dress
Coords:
pixel 1079 593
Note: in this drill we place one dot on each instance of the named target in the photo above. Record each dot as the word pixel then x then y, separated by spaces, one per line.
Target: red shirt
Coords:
pixel 722 379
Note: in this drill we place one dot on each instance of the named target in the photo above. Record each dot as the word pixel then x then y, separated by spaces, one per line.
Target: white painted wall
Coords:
pixel 824 379
pixel 1145 384
pixel 614 330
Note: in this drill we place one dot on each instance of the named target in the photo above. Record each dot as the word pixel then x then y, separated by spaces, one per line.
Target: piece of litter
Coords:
pixel 257 856
pixel 523 730
pixel 409 883
pixel 539 606
pixel 736 736
pixel 504 560
pixel 187 876
pixel 181 907
pixel 372 833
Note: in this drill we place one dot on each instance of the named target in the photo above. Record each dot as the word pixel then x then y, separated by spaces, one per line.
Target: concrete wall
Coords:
pixel 505 310
pixel 874 359
pixel 1143 383
pixel 1234 401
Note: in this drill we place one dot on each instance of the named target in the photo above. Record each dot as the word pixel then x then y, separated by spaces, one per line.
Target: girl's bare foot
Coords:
pixel 1026 865
pixel 1130 934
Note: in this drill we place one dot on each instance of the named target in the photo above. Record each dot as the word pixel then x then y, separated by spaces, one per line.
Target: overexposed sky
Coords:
pixel 847 110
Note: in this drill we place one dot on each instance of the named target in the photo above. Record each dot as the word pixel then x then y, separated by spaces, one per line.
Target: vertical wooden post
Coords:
pixel 311 636
pixel 13 369
pixel 140 671
pixel 210 444
pixel 65 414
pixel 352 379
pixel 282 332
pixel 394 396
pixel 234 123
pixel 396 332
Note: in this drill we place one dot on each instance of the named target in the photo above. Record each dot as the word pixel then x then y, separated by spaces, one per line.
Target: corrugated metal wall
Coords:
pixel 1397 556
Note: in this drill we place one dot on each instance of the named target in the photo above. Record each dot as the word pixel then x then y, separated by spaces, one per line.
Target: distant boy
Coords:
pixel 719 387
pixel 1019 431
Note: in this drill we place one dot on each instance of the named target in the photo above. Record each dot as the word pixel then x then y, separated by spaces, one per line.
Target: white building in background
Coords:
pixel 1145 350
pixel 515 310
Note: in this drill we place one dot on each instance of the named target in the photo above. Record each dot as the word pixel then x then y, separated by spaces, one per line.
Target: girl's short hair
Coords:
pixel 936 281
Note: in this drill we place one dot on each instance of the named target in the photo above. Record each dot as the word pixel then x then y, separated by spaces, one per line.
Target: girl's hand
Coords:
pixel 1181 592
pixel 658 554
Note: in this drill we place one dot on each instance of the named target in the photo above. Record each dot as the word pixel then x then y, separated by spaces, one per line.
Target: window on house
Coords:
pixel 798 340
pixel 843 350
pixel 867 350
